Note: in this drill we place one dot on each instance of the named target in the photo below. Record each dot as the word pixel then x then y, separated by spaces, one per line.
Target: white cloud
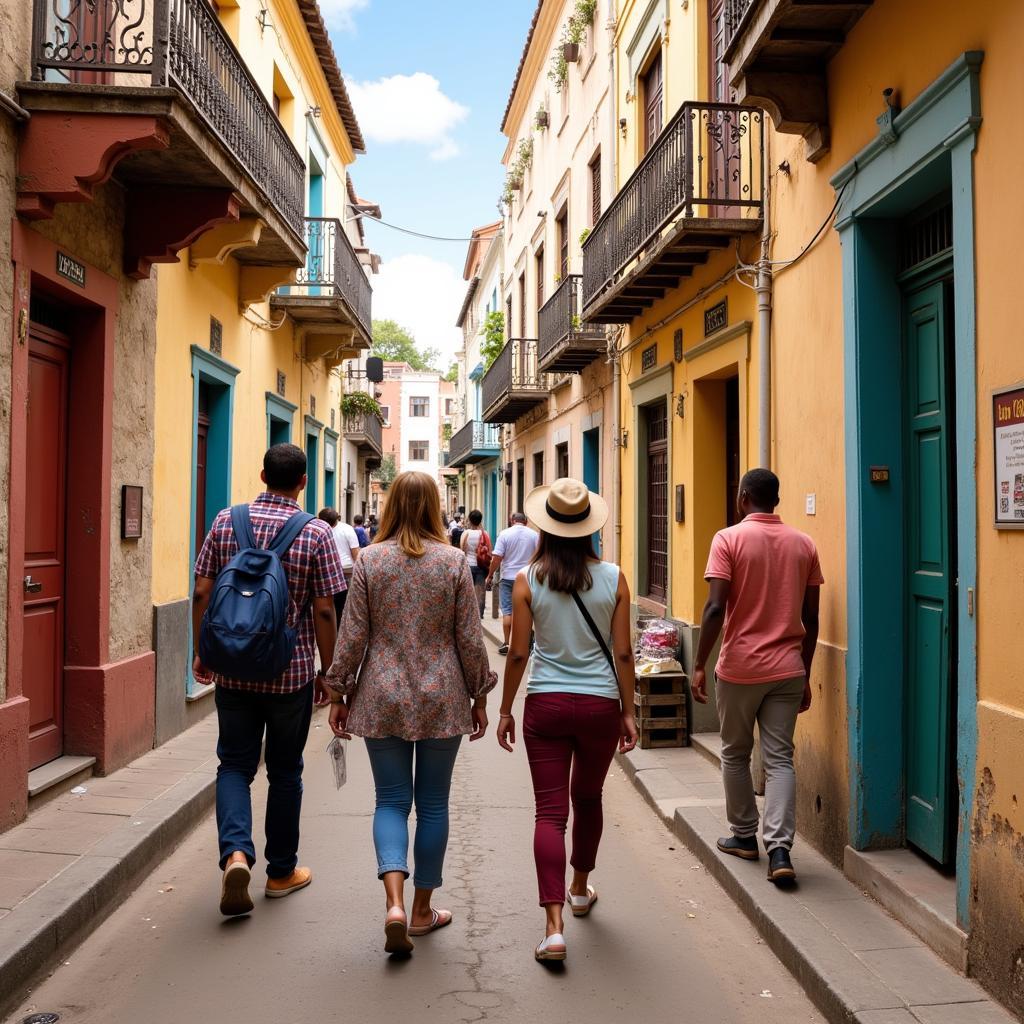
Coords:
pixel 340 13
pixel 409 108
pixel 424 295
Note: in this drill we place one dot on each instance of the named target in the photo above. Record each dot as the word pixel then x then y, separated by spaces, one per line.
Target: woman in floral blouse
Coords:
pixel 411 675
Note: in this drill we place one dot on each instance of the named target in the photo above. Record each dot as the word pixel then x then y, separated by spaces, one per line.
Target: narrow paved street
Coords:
pixel 663 945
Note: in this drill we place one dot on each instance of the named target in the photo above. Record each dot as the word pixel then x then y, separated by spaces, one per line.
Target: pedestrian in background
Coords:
pixel 357 524
pixel 411 676
pixel 765 584
pixel 348 551
pixel 279 708
pixel 579 702
pixel 456 530
pixel 477 546
pixel 372 527
pixel 513 551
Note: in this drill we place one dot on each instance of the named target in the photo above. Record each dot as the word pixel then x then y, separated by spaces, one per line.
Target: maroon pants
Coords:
pixel 570 742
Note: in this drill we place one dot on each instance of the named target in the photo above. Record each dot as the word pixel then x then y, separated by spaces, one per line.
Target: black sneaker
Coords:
pixel 746 848
pixel 780 867
pixel 503 649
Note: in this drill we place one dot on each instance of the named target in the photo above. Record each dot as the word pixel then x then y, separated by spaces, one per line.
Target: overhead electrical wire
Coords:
pixel 409 231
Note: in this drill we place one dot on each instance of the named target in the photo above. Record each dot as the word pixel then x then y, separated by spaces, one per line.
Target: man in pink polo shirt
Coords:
pixel 765 582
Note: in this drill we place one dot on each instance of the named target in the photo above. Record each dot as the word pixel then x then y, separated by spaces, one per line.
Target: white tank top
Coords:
pixel 472 543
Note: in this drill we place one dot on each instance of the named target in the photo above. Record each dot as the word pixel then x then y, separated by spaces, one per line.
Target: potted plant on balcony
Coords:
pixel 558 73
pixel 584 13
pixel 542 119
pixel 584 235
pixel 493 332
pixel 360 403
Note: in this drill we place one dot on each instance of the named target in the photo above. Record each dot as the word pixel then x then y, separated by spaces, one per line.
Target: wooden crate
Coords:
pixel 661 685
pixel 651 739
pixel 647 700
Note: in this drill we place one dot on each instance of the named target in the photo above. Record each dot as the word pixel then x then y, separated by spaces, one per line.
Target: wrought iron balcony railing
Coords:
pixel 735 14
pixel 474 442
pixel 364 430
pixel 514 384
pixel 333 270
pixel 706 166
pixel 178 44
pixel 566 341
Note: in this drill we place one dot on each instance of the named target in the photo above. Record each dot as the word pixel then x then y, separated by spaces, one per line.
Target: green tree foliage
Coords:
pixel 385 473
pixel 493 332
pixel 452 376
pixel 395 344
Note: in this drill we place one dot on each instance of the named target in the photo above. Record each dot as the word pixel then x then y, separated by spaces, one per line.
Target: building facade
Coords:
pixel 552 384
pixel 153 214
pixel 475 447
pixel 805 258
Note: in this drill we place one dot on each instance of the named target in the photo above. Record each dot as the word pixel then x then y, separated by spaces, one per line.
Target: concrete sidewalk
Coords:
pixel 65 868
pixel 855 962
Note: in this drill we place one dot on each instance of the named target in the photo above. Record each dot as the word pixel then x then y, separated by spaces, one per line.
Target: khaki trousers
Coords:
pixel 774 707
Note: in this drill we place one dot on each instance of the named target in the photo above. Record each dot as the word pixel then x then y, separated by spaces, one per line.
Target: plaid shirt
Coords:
pixel 311 564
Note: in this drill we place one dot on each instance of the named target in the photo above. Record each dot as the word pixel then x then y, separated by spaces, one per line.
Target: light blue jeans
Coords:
pixel 398 786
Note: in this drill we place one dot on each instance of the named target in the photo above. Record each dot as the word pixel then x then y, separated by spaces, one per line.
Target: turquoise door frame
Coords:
pixel 219 377
pixel 930 148
pixel 592 469
pixel 314 428
pixel 330 468
pixel 280 419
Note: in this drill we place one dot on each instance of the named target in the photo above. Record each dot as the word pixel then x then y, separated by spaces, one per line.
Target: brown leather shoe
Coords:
pixel 280 887
pixel 234 891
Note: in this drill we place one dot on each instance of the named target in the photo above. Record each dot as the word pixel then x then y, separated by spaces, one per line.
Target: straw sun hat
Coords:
pixel 566 508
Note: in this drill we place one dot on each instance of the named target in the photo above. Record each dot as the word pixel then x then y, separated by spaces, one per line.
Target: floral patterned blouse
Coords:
pixel 410 654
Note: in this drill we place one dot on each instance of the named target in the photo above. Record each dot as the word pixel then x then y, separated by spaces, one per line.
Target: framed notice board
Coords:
pixel 1008 449
pixel 131 512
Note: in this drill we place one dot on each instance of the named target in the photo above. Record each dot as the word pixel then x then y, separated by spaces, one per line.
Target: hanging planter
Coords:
pixel 571 52
pixel 542 120
pixel 515 183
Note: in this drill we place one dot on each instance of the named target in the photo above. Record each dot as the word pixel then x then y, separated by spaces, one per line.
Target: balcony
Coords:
pixel 363 429
pixel 699 187
pixel 567 343
pixel 474 442
pixel 331 294
pixel 514 385
pixel 154 94
pixel 777 52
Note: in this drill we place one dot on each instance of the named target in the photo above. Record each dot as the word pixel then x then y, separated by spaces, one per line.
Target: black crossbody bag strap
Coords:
pixel 597 633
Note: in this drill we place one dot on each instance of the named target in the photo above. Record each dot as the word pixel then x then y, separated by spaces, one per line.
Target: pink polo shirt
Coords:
pixel 769 565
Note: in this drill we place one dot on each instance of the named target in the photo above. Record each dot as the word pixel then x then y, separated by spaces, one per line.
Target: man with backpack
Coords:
pixel 477 546
pixel 264 594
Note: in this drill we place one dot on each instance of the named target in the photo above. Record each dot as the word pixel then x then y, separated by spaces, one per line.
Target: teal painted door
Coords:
pixel 930 561
pixel 592 469
pixel 312 467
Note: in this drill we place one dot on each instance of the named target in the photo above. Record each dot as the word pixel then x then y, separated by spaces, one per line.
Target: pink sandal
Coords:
pixel 440 919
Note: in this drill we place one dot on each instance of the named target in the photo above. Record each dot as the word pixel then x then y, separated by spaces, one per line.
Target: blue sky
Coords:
pixel 429 81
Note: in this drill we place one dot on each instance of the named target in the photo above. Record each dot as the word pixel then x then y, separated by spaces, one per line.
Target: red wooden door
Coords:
pixel 45 515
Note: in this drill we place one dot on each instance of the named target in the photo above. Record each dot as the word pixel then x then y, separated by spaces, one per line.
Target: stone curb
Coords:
pixel 50 923
pixel 837 982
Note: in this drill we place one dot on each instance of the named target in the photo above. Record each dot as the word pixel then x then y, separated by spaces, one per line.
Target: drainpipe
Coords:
pixel 764 324
pixel 613 153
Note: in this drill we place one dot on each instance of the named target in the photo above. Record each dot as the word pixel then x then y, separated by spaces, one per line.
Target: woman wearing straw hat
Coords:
pixel 579 701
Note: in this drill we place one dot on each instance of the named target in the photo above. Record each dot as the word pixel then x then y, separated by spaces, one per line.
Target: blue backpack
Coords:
pixel 245 634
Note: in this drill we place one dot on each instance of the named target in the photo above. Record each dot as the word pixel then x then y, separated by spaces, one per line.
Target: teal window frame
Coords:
pixel 331 438
pixel 279 411
pixel 313 430
pixel 212 370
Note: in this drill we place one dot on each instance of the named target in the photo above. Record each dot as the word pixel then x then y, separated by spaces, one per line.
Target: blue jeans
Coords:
pixel 505 596
pixel 242 716
pixel 392 763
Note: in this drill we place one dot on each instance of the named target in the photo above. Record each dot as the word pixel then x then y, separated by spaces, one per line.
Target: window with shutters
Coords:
pixel 508 318
pixel 562 236
pixel 538 262
pixel 419 406
pixel 595 189
pixel 522 304
pixel 562 460
pixel 656 428
pixel 653 102
pixel 419 451
pixel 538 468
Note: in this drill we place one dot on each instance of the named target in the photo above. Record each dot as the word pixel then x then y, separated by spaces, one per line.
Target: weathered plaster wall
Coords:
pixel 15 34
pixel 91 232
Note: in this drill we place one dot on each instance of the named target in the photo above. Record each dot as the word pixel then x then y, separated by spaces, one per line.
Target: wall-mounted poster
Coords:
pixel 1008 426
